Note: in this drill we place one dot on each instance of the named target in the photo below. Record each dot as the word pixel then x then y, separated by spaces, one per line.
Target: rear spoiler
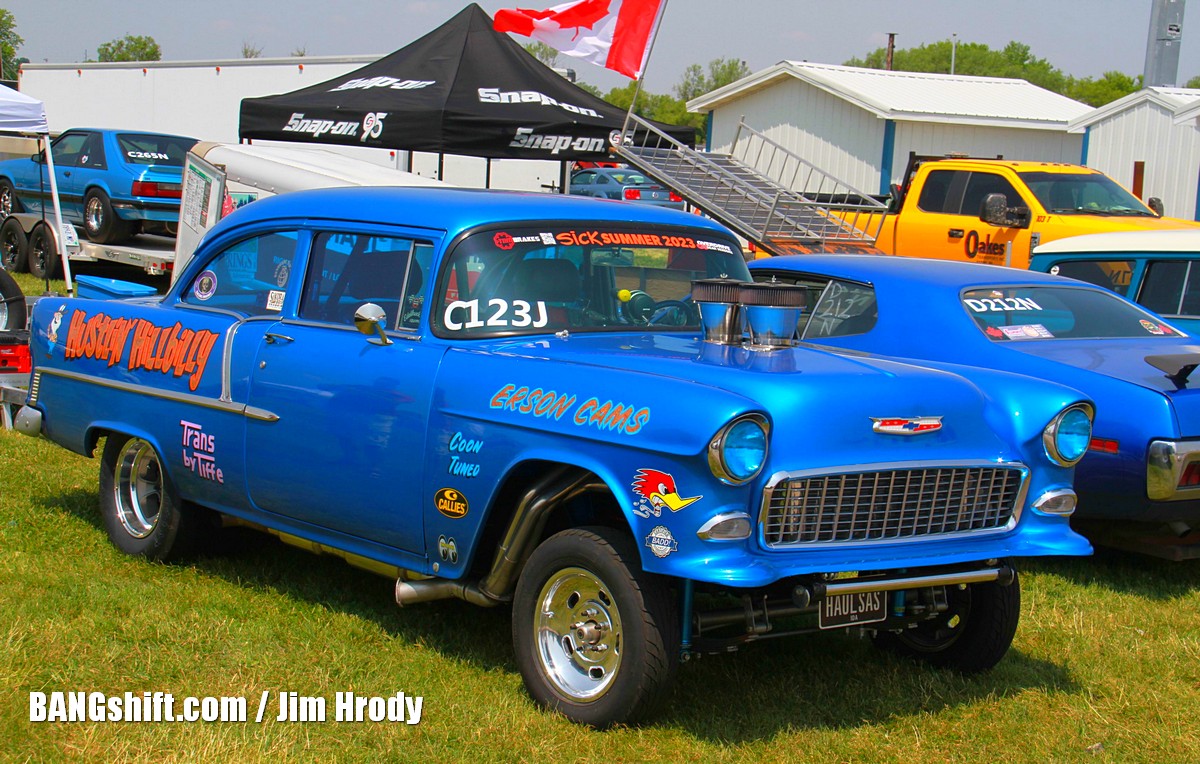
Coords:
pixel 1177 366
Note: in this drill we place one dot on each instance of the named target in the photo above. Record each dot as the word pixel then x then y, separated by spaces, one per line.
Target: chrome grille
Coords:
pixel 892 504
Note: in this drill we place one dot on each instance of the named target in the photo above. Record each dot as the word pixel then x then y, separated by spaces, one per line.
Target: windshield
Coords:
pixel 138 148
pixel 1040 313
pixel 584 278
pixel 1083 194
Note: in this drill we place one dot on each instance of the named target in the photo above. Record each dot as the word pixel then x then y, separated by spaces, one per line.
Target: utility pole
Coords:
pixel 953 50
pixel 1163 43
pixel 891 48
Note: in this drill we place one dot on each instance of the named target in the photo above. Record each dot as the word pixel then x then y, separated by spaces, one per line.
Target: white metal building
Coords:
pixel 1149 143
pixel 861 124
pixel 201 99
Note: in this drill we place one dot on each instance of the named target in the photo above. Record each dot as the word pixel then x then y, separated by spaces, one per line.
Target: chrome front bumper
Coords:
pixel 1166 461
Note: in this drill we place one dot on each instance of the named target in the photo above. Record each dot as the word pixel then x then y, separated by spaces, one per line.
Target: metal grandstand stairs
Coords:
pixel 762 190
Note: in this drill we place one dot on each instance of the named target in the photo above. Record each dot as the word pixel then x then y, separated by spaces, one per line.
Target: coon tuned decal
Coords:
pixel 459 444
pixel 656 489
pixel 606 415
pixel 169 350
pixel 451 503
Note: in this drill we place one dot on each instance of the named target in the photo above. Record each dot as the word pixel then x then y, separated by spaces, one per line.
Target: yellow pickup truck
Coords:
pixel 996 210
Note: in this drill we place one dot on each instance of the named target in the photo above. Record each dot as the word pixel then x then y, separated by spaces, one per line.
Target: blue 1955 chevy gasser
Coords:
pixel 576 406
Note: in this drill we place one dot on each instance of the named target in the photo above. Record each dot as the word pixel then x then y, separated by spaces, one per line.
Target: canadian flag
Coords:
pixel 615 34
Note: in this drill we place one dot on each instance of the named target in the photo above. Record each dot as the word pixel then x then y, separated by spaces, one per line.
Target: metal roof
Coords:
pixel 1174 100
pixel 917 96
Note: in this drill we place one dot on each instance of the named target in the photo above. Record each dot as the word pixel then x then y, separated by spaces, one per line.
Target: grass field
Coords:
pixel 1106 664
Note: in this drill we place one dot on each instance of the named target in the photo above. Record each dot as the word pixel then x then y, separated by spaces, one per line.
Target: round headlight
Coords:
pixel 739 451
pixel 1067 436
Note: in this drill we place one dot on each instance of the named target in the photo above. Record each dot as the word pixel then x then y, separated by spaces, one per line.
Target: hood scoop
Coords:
pixel 1177 366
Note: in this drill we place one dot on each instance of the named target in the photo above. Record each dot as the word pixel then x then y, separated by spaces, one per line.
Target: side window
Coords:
pixel 250 277
pixel 585 178
pixel 348 270
pixel 92 154
pixel 935 193
pixel 1110 274
pixel 979 185
pixel 1172 288
pixel 843 309
pixel 66 150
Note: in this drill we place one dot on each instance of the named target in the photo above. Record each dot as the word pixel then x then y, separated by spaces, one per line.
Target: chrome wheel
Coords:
pixel 93 215
pixel 138 488
pixel 6 199
pixel 578 631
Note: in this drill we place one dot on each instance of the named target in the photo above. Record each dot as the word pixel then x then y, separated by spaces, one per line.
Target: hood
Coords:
pixel 688 389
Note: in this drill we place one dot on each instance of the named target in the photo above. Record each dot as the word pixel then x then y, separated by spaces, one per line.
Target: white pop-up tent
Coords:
pixel 25 115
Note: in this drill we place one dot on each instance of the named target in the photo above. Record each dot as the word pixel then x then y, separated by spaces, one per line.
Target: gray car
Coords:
pixel 623 183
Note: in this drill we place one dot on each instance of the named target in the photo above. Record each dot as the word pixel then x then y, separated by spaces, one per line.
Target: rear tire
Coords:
pixel 971 637
pixel 596 638
pixel 100 222
pixel 141 509
pixel 14 246
pixel 43 259
pixel 12 304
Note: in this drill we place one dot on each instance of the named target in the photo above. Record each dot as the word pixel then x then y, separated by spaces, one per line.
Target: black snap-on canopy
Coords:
pixel 461 89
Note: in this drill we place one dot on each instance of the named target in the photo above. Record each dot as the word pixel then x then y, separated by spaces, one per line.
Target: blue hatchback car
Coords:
pixel 112 183
pixel 548 401
pixel 1139 484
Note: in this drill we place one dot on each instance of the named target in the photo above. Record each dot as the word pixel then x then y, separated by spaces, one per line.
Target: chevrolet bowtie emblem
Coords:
pixel 895 425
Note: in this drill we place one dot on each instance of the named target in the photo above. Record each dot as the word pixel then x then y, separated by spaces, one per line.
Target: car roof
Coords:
pixel 868 269
pixel 456 209
pixel 1183 240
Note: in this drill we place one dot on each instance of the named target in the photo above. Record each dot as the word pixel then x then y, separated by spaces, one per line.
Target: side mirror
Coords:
pixel 995 211
pixel 370 320
pixel 36 157
pixel 1156 205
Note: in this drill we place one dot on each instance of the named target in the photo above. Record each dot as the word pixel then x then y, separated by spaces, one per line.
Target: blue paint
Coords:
pixel 885 162
pixel 1087 139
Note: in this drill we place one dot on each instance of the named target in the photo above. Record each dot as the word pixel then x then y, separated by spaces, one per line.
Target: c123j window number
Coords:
pixel 466 314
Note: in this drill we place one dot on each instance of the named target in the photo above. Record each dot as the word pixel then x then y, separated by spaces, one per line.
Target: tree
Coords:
pixel 542 52
pixel 1194 82
pixel 130 48
pixel 300 52
pixel 9 42
pixel 1015 61
pixel 721 71
pixel 250 50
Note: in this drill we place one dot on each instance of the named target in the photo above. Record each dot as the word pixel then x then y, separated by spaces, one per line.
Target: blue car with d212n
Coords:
pixel 552 402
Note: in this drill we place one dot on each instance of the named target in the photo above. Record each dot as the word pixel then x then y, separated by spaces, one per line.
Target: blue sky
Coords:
pixel 1082 37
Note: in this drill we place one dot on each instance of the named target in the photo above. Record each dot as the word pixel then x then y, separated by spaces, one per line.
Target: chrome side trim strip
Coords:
pixel 250 412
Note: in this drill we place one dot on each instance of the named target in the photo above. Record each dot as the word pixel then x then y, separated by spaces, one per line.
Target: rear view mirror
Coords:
pixel 995 211
pixel 37 157
pixel 1156 205
pixel 370 319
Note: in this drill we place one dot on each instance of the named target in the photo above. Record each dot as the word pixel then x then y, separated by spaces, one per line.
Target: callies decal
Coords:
pixel 895 425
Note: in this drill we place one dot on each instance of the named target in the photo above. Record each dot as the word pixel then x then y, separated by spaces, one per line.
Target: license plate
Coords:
pixel 841 610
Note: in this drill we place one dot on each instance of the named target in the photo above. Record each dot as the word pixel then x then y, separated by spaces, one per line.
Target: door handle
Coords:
pixel 66 173
pixel 272 337
pixel 956 233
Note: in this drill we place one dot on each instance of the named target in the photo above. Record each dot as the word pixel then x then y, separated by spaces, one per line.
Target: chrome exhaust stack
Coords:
pixel 720 309
pixel 772 313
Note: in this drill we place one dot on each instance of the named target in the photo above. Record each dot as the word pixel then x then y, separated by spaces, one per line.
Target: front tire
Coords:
pixel 100 222
pixel 971 636
pixel 596 638
pixel 142 512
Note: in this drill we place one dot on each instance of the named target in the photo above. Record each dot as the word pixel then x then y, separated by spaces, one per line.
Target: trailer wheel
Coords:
pixel 43 253
pixel 100 223
pixel 14 245
pixel 9 203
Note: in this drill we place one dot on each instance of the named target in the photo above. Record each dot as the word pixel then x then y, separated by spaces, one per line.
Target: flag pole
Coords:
pixel 637 88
